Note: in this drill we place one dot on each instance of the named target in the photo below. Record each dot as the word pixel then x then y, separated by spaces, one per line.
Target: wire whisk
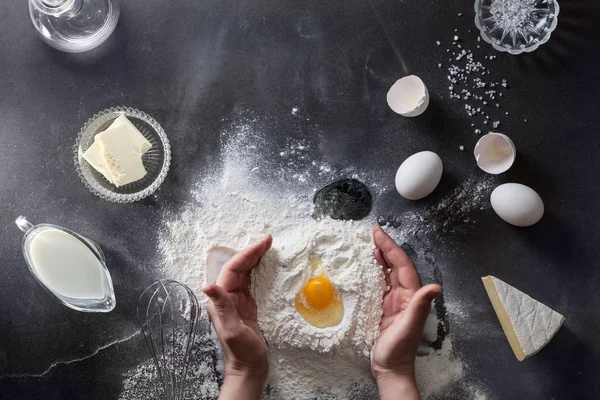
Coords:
pixel 168 313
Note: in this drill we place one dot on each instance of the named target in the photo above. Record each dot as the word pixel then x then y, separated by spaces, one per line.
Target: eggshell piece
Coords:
pixel 419 175
pixel 495 153
pixel 517 204
pixel 215 259
pixel 408 97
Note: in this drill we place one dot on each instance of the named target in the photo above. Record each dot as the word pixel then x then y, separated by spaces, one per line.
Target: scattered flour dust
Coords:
pixel 435 372
pixel 204 372
pixel 234 207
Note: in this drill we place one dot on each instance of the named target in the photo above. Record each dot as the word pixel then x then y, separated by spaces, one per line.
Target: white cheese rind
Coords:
pixel 121 157
pixel 534 323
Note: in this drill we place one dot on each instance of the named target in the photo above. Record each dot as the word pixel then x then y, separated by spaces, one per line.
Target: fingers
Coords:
pixel 418 309
pixel 379 258
pixel 233 274
pixel 404 272
pixel 391 278
pixel 221 309
pixel 249 257
pixel 381 261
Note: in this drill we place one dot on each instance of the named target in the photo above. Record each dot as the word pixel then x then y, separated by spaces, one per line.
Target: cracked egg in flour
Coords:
pixel 318 301
pixel 332 254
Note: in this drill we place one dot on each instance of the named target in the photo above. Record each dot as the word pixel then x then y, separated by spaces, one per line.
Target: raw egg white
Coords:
pixel 318 301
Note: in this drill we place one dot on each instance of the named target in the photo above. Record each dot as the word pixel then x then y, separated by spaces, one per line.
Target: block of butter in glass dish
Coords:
pixel 117 152
pixel 122 154
pixel 139 141
pixel 121 158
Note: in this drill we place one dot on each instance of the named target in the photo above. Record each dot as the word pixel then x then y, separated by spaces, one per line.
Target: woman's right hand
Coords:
pixel 405 310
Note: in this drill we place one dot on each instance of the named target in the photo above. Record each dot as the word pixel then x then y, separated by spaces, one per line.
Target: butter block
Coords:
pixel 122 158
pixel 528 324
pixel 93 156
pixel 139 141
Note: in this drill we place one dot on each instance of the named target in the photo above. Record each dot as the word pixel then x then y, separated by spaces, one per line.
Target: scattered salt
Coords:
pixel 469 81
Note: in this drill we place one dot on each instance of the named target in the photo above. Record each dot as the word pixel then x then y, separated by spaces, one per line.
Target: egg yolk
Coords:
pixel 318 292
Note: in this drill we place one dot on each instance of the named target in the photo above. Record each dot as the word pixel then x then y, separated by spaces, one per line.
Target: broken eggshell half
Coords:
pixel 495 153
pixel 408 97
pixel 215 259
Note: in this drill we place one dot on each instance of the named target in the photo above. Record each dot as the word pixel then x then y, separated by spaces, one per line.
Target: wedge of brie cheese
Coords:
pixel 528 324
pixel 121 157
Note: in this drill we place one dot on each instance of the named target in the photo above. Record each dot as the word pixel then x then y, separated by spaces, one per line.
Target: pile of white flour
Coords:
pixel 234 206
pixel 297 350
pixel 345 249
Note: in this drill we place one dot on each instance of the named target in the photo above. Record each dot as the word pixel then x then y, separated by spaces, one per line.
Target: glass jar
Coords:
pixel 74 25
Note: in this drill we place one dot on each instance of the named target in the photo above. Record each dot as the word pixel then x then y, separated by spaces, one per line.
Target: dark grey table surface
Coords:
pixel 190 64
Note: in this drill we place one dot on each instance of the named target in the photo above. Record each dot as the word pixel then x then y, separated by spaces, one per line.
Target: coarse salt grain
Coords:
pixel 512 15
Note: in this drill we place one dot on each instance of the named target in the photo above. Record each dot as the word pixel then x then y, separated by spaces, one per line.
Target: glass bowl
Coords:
pixel 156 160
pixel 516 26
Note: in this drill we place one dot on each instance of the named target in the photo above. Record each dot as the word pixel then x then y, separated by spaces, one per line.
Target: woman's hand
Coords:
pixel 233 314
pixel 405 310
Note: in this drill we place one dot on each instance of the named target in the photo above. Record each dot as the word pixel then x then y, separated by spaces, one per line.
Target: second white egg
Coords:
pixel 517 204
pixel 419 175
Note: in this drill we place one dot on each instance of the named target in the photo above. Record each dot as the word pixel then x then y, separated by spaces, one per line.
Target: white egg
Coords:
pixel 495 153
pixel 517 204
pixel 419 175
pixel 408 97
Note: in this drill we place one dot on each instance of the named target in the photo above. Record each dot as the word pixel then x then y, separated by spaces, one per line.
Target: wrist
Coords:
pixel 390 373
pixel 398 385
pixel 247 374
pixel 241 385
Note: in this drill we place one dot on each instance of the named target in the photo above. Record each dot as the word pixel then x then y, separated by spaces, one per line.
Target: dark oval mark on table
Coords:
pixel 346 199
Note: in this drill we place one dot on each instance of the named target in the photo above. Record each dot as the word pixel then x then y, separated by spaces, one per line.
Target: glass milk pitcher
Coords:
pixel 74 25
pixel 69 266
